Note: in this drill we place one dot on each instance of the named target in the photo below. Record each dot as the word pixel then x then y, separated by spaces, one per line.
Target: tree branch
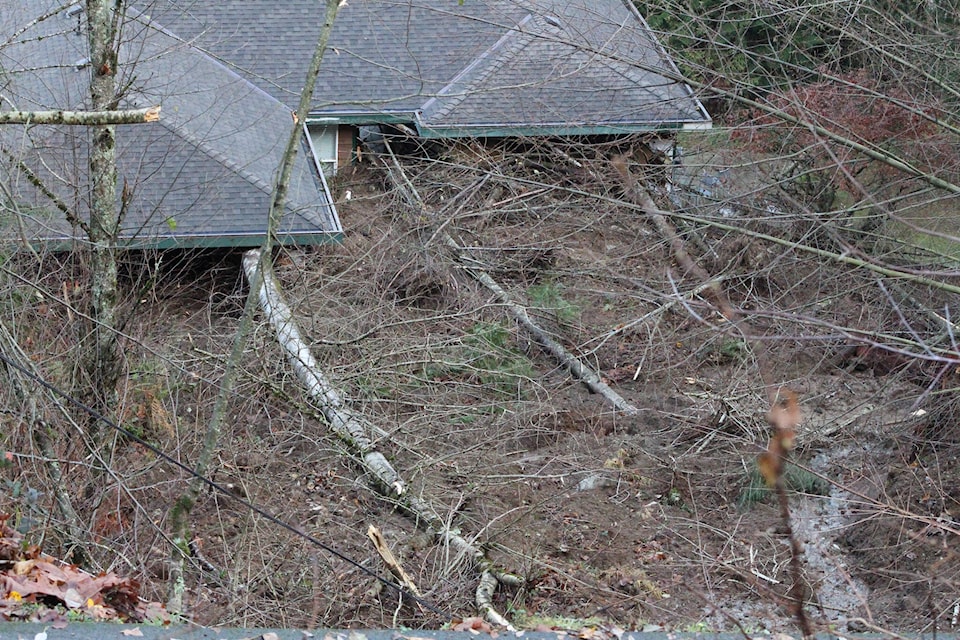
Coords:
pixel 351 428
pixel 82 118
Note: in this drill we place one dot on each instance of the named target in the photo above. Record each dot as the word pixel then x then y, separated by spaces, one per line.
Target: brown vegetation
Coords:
pixel 659 518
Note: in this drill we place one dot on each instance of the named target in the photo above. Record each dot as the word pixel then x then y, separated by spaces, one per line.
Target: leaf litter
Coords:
pixel 35 587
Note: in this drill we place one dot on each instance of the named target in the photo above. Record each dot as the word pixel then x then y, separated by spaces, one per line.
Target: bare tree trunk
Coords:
pixel 352 429
pixel 81 118
pixel 100 343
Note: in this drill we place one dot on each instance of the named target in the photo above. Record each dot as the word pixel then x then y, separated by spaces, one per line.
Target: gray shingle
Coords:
pixel 229 73
pixel 201 176
pixel 390 56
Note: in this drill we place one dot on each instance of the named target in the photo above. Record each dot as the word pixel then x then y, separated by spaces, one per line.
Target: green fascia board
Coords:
pixel 232 241
pixel 221 241
pixel 517 131
pixel 504 130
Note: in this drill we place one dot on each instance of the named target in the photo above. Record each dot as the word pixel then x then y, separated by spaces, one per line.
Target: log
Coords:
pixel 352 429
pixel 347 425
pixel 581 372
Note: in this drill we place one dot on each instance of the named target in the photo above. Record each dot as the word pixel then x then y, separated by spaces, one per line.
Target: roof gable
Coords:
pixel 515 66
pixel 202 176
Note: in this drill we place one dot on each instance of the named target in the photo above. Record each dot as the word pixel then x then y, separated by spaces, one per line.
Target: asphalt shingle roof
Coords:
pixel 510 66
pixel 202 176
pixel 229 73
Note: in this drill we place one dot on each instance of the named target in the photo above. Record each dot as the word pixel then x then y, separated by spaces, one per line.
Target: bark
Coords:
pixel 279 199
pixel 636 192
pixel 352 429
pixel 581 372
pixel 35 180
pixel 348 426
pixel 103 360
pixel 81 118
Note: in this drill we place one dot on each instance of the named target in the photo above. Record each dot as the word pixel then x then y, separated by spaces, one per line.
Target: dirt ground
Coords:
pixel 658 520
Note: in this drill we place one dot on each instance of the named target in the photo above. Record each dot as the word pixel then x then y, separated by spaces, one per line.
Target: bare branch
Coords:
pixel 82 118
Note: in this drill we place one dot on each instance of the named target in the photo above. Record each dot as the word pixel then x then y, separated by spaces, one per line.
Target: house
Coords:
pixel 228 74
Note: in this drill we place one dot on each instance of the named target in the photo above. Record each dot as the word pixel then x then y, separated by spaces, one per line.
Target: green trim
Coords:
pixel 503 130
pixel 508 131
pixel 233 241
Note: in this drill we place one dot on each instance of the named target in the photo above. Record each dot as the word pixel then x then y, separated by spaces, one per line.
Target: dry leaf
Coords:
pixel 474 625
pixel 23 567
pixel 132 632
pixel 768 464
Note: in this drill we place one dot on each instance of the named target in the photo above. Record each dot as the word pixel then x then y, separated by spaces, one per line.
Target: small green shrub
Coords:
pixel 486 356
pixel 795 479
pixel 549 297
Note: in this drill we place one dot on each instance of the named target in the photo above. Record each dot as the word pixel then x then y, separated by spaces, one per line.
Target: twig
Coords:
pixel 784 417
pixel 380 544
pixel 180 512
pixel 581 372
pixel 44 438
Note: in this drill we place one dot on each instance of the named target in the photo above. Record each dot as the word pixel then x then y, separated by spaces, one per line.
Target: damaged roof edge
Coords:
pixel 196 241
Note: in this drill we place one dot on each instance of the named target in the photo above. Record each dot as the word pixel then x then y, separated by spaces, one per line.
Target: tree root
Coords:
pixel 352 429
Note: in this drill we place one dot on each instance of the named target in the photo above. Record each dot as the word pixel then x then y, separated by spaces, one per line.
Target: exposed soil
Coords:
pixel 654 520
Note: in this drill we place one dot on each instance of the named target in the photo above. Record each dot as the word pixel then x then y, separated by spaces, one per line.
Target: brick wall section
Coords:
pixel 345 142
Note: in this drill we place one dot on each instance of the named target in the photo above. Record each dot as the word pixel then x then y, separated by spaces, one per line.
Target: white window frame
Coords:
pixel 326 166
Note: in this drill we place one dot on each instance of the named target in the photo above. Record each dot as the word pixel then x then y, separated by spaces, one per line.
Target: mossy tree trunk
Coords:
pixel 100 336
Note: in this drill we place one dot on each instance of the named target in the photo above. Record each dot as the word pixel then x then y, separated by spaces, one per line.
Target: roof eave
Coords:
pixel 360 118
pixel 196 241
pixel 506 130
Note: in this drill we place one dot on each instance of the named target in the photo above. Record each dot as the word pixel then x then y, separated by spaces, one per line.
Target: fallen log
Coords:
pixel 581 372
pixel 352 429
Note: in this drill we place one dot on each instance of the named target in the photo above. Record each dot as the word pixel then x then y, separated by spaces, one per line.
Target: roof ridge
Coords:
pixel 479 69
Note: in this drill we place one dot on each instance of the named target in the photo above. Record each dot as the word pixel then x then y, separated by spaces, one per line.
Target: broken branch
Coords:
pixel 82 118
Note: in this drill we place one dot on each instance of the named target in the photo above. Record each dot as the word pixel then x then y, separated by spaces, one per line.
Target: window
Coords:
pixel 323 141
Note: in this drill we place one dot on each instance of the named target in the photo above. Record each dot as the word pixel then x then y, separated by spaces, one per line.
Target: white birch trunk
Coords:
pixel 353 429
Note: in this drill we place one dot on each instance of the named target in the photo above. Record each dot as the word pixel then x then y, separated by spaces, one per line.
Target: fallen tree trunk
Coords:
pixel 636 191
pixel 352 429
pixel 581 372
